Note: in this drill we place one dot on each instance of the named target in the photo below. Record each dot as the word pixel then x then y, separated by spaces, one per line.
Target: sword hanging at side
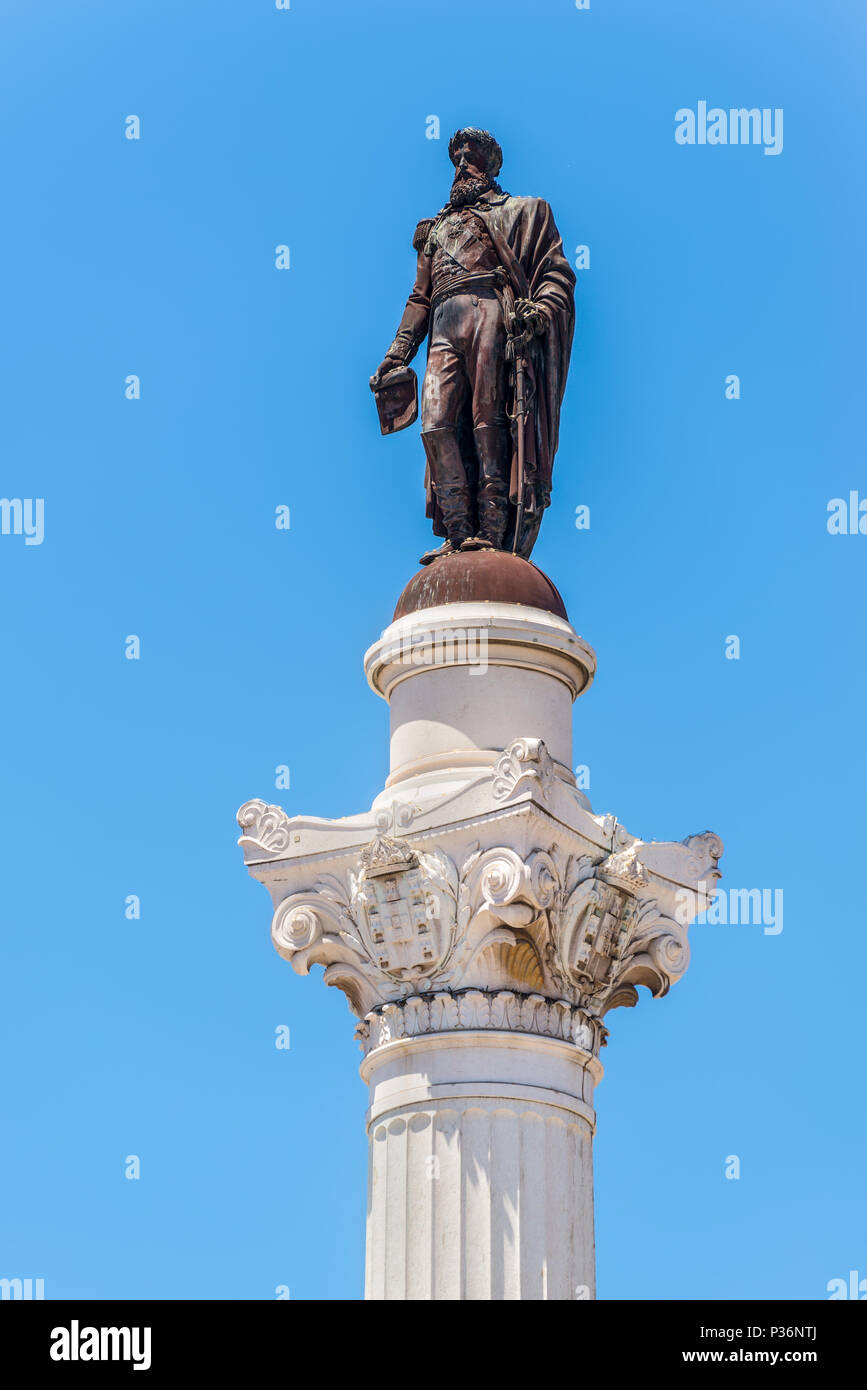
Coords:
pixel 515 344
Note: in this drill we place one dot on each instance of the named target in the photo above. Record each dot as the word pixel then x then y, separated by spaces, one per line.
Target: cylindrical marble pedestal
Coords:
pixel 464 679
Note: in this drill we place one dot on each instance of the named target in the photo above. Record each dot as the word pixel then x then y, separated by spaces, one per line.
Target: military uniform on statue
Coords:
pixel 494 295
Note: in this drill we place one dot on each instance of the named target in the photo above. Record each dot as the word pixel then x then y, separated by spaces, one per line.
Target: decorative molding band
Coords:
pixel 425 640
pixel 474 1010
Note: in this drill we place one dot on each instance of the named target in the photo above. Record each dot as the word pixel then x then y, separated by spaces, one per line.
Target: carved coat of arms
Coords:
pixel 400 910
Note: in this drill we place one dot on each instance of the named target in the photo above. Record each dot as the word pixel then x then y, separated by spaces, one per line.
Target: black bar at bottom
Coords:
pixel 155 1338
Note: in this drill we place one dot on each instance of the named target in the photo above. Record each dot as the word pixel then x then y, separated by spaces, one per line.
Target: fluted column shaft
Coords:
pixel 481 1168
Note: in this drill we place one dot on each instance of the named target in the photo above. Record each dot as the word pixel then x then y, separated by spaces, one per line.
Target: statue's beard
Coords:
pixel 467 189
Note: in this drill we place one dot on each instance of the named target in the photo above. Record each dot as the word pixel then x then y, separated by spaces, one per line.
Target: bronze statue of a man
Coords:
pixel 494 295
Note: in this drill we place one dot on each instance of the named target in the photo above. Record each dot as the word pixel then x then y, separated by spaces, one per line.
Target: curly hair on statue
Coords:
pixel 486 143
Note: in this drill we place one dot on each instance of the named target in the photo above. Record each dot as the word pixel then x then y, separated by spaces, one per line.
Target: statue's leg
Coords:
pixel 450 483
pixel 443 394
pixel 486 368
pixel 493 447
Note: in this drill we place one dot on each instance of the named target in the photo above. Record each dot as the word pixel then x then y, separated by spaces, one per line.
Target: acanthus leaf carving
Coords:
pixel 481 1011
pixel 405 922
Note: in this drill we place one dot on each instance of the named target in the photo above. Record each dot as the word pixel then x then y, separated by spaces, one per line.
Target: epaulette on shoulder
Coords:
pixel 420 235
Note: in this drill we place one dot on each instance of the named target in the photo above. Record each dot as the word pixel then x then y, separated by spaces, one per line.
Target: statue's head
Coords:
pixel 477 159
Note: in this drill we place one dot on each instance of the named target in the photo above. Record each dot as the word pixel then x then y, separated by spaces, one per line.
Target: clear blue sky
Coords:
pixel 708 518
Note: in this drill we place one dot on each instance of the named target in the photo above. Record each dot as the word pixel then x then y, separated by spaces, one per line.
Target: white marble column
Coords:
pixel 481 1168
pixel 481 920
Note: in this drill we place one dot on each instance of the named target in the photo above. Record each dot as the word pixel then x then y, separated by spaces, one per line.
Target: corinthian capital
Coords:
pixel 402 921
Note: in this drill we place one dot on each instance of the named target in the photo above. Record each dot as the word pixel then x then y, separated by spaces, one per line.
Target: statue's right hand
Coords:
pixel 387 365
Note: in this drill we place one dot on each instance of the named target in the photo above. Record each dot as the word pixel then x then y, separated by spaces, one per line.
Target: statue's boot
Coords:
pixel 493 449
pixel 445 549
pixel 450 486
